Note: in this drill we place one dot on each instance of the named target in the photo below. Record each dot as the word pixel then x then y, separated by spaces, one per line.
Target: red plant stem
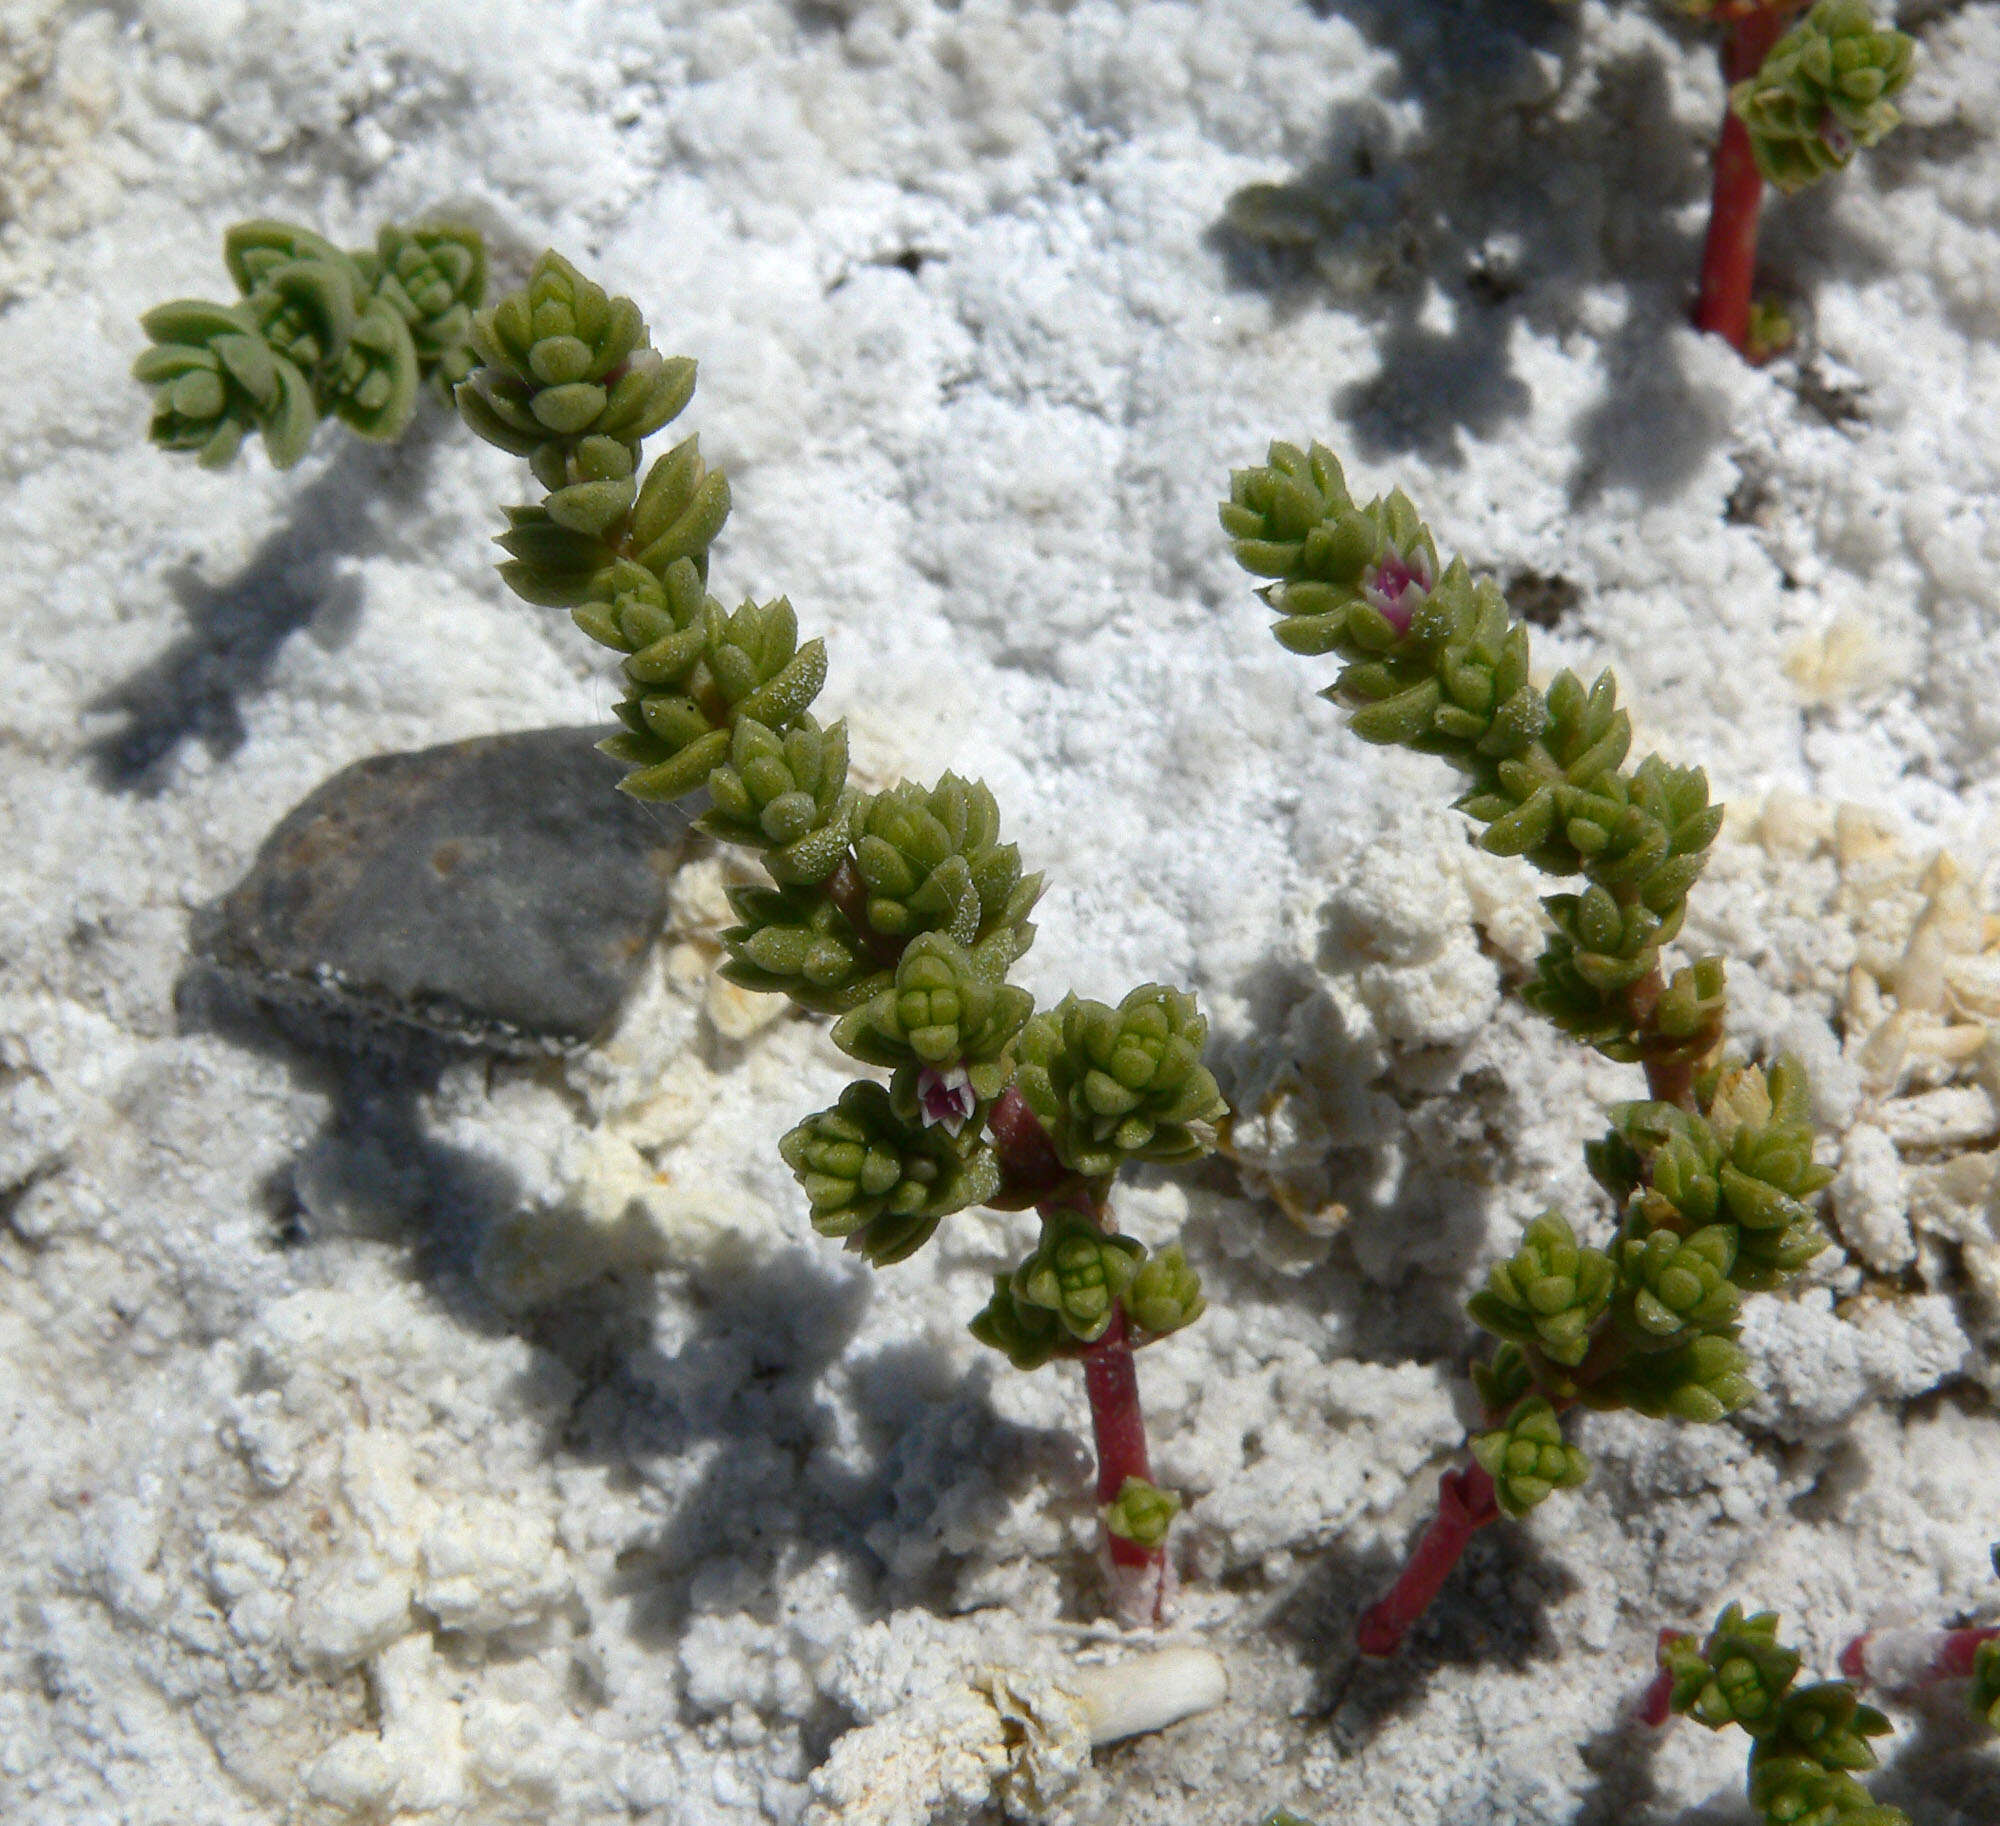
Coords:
pixel 1729 256
pixel 1466 1504
pixel 1111 1379
pixel 1671 1081
pixel 1027 1156
pixel 1031 1164
pixel 1906 1660
pixel 1657 1706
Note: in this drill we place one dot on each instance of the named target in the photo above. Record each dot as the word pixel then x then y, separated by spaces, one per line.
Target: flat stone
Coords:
pixel 499 892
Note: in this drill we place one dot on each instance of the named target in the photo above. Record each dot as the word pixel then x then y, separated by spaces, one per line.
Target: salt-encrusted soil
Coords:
pixel 466 1442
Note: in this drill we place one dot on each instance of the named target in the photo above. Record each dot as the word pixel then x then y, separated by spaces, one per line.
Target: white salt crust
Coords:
pixel 513 1451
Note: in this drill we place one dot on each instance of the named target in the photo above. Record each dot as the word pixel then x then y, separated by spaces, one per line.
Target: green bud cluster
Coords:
pixel 316 332
pixel 1746 1166
pixel 1142 1512
pixel 932 861
pixel 945 1008
pixel 1823 93
pixel 1527 1457
pixel 1716 1205
pixel 567 369
pixel 1550 1294
pixel 1806 1743
pixel 878 1182
pixel 1125 1083
pixel 1062 1298
pixel 1435 661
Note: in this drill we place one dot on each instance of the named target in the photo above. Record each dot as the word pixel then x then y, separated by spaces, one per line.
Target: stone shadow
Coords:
pixel 1943 1771
pixel 195 690
pixel 406 1184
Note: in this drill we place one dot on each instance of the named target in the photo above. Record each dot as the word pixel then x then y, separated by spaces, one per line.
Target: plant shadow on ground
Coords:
pixel 1940 1767
pixel 773 1445
pixel 1490 1614
pixel 1453 241
pixel 196 689
pixel 725 1408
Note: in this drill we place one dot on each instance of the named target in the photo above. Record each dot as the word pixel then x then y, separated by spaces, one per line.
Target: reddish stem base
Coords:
pixel 1657 1706
pixel 1466 1503
pixel 1140 1575
pixel 1111 1379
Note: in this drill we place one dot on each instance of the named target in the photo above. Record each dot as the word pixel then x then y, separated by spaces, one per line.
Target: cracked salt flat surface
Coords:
pixel 455 1446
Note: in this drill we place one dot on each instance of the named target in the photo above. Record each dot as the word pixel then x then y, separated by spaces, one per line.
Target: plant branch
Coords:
pixel 1908 1660
pixel 1729 255
pixel 1117 1424
pixel 1466 1503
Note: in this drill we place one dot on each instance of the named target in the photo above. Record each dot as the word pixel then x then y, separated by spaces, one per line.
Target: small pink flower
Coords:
pixel 1835 137
pixel 946 1097
pixel 1396 585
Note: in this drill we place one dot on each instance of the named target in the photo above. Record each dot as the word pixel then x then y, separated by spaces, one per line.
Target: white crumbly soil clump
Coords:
pixel 501 1445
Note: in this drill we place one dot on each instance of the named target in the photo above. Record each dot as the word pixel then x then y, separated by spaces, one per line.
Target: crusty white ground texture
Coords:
pixel 502 1445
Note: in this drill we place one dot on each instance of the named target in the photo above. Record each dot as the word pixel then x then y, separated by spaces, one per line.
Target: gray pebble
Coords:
pixel 499 892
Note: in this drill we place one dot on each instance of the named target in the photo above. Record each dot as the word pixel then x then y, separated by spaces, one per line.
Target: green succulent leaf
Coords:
pixel 1165 1295
pixel 879 1183
pixel 372 383
pixel 1985 1689
pixel 1703 1381
pixel 944 1008
pixel 1125 1083
pixel 1078 1273
pixel 1740 1675
pixel 560 361
pixel 1823 92
pixel 1028 1336
pixel 1142 1513
pixel 794 941
pixel 1527 1457
pixel 931 860
pixel 433 279
pixel 785 795
pixel 1550 1293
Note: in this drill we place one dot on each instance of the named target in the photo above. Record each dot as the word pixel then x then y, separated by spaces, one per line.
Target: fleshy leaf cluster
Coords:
pixel 1823 92
pixel 878 1182
pixel 1436 662
pixel 1528 1458
pixel 1125 1083
pixel 1806 1743
pixel 1717 1203
pixel 316 331
pixel 1550 1294
pixel 1141 1513
pixel 1064 1295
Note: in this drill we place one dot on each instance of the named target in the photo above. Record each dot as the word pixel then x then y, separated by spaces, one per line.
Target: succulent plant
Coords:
pixel 1823 92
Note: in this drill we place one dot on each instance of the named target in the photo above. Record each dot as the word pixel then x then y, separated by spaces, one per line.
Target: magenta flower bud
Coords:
pixel 1395 585
pixel 946 1097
